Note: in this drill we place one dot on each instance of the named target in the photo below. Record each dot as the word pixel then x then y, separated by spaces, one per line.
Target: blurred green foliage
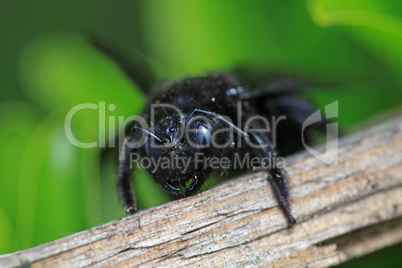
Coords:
pixel 50 188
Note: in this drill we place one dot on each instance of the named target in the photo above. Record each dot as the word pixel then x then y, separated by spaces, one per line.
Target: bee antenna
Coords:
pixel 148 132
pixel 163 107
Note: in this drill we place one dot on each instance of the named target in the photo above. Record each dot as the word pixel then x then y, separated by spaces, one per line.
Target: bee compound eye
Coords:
pixel 172 130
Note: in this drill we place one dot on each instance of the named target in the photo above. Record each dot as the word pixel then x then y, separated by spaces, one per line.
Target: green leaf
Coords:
pixel 63 69
pixel 18 120
pixel 58 185
pixel 375 24
pixel 6 233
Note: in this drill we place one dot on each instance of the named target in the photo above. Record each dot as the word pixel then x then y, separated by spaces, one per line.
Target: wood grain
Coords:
pixel 342 212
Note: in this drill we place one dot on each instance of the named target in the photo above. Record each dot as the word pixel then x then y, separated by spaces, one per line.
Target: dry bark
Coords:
pixel 342 212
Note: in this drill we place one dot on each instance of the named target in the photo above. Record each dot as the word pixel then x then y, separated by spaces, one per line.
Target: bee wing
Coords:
pixel 132 63
pixel 268 82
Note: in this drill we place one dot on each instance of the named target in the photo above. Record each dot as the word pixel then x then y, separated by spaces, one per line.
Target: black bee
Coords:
pixel 190 123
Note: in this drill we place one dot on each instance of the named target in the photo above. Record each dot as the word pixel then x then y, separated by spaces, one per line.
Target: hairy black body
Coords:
pixel 209 105
pixel 209 117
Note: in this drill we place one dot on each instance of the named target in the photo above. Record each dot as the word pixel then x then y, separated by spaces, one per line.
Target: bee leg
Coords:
pixel 124 185
pixel 263 149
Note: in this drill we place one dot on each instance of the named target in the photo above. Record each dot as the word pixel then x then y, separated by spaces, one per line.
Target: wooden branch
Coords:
pixel 342 212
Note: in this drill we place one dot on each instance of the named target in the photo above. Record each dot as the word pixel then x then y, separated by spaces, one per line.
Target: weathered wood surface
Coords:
pixel 342 212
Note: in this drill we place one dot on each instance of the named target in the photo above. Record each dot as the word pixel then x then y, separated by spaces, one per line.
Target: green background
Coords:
pixel 50 188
